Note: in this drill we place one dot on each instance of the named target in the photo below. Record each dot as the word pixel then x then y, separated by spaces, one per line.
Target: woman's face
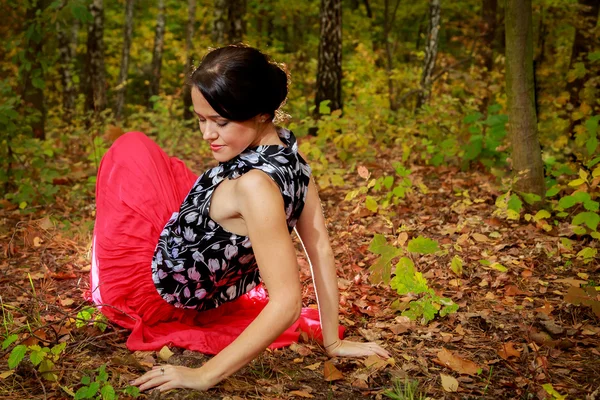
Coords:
pixel 227 138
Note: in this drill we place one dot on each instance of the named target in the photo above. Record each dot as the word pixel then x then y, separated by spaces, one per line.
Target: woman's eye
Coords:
pixel 201 120
pixel 222 124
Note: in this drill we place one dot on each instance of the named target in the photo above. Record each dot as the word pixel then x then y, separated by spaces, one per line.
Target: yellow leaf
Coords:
pixel 165 353
pixel 6 374
pixel 479 237
pixel 576 182
pixel 314 366
pixel 449 383
pixel 583 174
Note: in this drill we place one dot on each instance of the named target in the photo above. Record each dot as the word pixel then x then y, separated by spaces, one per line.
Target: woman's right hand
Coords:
pixel 346 348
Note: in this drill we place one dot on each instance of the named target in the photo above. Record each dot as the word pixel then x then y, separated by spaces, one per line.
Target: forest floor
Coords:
pixel 513 332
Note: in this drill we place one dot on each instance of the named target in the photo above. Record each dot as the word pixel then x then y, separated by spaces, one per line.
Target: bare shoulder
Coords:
pixel 255 189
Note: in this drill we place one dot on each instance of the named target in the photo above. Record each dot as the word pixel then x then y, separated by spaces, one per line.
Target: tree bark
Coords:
pixel 430 53
pixel 329 72
pixel 159 40
pixel 388 24
pixel 122 85
pixel 95 69
pixel 32 78
pixel 489 9
pixel 582 45
pixel 219 21
pixel 527 163
pixel 237 23
pixel 189 49
pixel 67 40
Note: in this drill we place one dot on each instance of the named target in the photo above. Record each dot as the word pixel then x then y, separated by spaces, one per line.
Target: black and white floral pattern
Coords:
pixel 197 263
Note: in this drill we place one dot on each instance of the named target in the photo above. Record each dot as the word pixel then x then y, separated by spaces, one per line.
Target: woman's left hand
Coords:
pixel 346 348
pixel 167 377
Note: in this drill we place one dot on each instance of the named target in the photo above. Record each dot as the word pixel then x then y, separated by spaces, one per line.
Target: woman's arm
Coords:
pixel 313 234
pixel 261 206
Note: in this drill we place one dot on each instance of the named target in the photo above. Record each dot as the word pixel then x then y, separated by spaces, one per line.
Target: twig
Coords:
pixel 41 383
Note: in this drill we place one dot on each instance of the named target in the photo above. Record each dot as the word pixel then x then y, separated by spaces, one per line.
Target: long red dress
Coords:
pixel 138 188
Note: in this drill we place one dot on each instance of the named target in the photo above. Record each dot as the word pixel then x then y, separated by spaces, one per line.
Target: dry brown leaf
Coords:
pixel 508 350
pixel 331 373
pixel 301 349
pixel 165 353
pixel 449 383
pixel 480 238
pixel 402 238
pixel 363 172
pixel 375 362
pixel 66 302
pixel 457 363
pixel 571 281
pixel 301 393
pixel 6 374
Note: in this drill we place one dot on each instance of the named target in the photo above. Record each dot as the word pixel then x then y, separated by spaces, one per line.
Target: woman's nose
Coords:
pixel 209 131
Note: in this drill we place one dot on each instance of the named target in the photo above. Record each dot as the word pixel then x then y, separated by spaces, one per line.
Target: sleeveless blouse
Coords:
pixel 199 264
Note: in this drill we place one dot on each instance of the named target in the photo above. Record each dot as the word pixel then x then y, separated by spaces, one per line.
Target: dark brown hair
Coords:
pixel 240 82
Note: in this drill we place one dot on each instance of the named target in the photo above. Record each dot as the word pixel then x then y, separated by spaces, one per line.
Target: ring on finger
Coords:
pixel 162 371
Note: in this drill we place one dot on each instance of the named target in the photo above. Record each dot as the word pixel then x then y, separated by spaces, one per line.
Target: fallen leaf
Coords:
pixel 6 374
pixel 331 373
pixel 301 349
pixel 314 366
pixel 302 393
pixel 508 350
pixel 479 237
pixel 37 242
pixel 449 383
pixel 363 172
pixel 375 362
pixel 165 353
pixel 546 309
pixel 66 302
pixel 512 290
pixel 402 238
pixel 571 281
pixel 456 363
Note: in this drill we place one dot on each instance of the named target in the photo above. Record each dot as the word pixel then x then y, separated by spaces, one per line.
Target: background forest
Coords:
pixel 455 145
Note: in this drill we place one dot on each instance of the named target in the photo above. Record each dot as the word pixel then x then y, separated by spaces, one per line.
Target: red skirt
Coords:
pixel 138 188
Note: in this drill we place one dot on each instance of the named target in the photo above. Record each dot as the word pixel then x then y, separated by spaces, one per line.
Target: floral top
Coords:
pixel 197 263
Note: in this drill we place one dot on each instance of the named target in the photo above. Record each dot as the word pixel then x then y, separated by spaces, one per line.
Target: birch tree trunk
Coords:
pixel 329 72
pixel 189 37
pixel 122 85
pixel 67 43
pixel 219 21
pixel 526 154
pixel 159 40
pixel 430 52
pixel 237 20
pixel 95 70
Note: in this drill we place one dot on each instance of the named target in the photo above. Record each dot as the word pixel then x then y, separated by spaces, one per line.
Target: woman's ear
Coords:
pixel 262 118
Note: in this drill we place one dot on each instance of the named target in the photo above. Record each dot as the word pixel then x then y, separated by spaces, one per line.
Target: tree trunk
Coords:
pixel 159 40
pixel 430 52
pixel 122 85
pixel 189 50
pixel 237 23
pixel 219 21
pixel 95 70
pixel 388 24
pixel 526 155
pixel 489 9
pixel 67 40
pixel 582 45
pixel 33 77
pixel 329 72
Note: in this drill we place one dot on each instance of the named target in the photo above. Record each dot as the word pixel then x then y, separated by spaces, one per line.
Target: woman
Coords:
pixel 198 286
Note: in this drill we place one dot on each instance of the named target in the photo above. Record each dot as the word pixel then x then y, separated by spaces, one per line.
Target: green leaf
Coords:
pixel 132 391
pixel 102 374
pixel 542 214
pixel 499 267
pixel 594 56
pixel 587 253
pixel 371 204
pixel 16 356
pixel 36 356
pixel 85 380
pixel 381 269
pixel 567 202
pixel 591 144
pixel 422 245
pixel 407 280
pixel 107 392
pixel 591 205
pixel 530 198
pixel 9 340
pixel 514 203
pixel 429 310
pixel 591 219
pixel 46 368
pixel 469 119
pixel 552 191
pixel 592 125
pixel 59 348
pixel 457 266
pixel 388 181
pixel 449 309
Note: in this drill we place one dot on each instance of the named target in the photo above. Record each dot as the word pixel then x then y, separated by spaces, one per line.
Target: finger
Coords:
pixel 153 383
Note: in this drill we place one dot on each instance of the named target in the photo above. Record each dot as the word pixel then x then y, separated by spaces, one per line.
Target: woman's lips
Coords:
pixel 215 147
